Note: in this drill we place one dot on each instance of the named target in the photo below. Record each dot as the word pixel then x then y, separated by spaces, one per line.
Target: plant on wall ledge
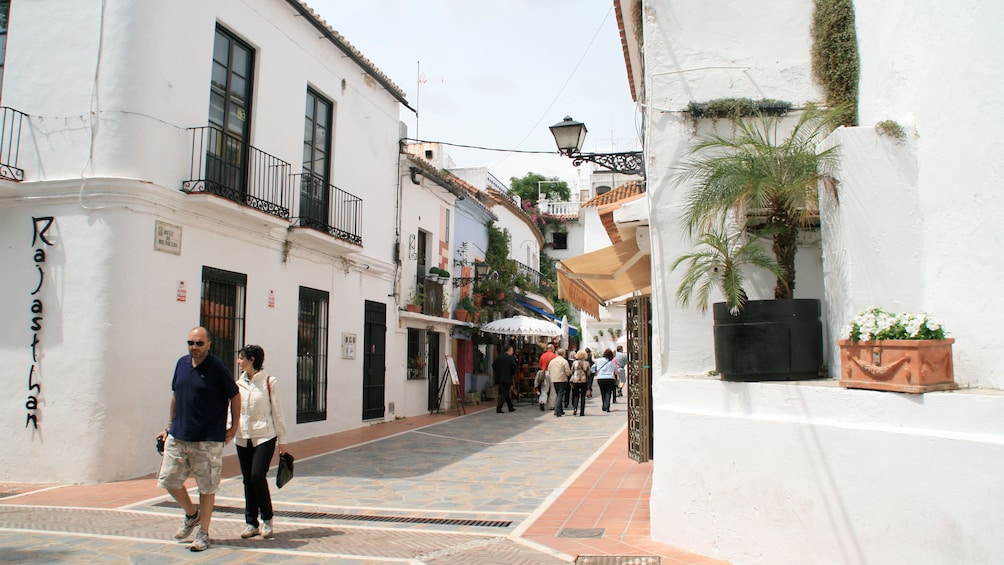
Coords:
pixel 835 61
pixel 756 171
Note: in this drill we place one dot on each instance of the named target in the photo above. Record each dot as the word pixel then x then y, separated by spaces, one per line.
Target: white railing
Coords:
pixel 560 208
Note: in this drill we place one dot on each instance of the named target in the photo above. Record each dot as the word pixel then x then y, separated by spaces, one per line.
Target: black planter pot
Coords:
pixel 770 340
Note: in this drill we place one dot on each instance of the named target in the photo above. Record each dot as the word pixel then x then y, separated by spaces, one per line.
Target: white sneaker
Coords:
pixel 201 541
pixel 187 526
pixel 266 529
pixel 249 531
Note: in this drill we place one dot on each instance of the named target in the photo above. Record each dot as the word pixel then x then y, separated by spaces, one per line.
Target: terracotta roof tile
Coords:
pixel 626 190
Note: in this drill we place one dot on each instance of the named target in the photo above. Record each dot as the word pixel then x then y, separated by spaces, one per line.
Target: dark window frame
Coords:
pixel 312 332
pixel 223 310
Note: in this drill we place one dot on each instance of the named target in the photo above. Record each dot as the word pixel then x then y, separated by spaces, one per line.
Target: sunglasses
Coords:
pixel 199 343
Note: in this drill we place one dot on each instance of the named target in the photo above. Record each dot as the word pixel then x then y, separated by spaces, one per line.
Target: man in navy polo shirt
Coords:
pixel 203 389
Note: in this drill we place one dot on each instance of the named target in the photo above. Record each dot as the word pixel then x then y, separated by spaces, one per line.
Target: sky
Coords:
pixel 497 74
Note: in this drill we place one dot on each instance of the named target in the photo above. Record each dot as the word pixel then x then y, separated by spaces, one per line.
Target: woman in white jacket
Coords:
pixel 261 428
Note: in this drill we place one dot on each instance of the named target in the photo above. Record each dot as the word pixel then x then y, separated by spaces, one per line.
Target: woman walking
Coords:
pixel 606 377
pixel 261 428
pixel 580 382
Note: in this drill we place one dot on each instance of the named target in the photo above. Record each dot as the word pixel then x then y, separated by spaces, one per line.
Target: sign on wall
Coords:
pixel 167 237
pixel 348 346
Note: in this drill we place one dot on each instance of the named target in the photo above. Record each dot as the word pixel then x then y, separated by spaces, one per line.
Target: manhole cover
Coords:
pixel 582 533
pixel 618 560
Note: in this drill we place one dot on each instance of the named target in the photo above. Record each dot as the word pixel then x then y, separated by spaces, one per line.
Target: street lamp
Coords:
pixel 481 270
pixel 569 136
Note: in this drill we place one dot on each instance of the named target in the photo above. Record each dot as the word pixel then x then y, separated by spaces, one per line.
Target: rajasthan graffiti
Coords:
pixel 39 238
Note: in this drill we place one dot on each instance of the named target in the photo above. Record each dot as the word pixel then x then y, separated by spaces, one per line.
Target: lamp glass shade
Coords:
pixel 569 135
pixel 481 269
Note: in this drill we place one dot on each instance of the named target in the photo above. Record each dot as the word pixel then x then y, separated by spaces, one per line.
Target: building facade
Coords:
pixel 238 175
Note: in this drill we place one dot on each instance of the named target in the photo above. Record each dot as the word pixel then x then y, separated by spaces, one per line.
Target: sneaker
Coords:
pixel 541 406
pixel 201 541
pixel 187 526
pixel 249 531
pixel 266 529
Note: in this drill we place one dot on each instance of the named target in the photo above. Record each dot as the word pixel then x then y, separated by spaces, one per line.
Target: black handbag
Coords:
pixel 285 472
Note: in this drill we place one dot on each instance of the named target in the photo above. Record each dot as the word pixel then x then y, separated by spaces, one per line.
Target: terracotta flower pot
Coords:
pixel 461 315
pixel 898 365
pixel 413 307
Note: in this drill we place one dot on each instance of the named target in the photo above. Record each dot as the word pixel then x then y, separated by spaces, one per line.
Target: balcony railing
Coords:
pixel 563 209
pixel 327 208
pixel 536 279
pixel 227 166
pixel 11 121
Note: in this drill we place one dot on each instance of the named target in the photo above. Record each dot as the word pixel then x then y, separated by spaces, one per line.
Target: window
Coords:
pixel 229 112
pixel 222 312
pixel 416 360
pixel 316 152
pixel 560 240
pixel 4 12
pixel 312 356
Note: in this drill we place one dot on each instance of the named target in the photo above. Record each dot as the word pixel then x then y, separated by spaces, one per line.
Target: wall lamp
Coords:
pixel 569 136
pixel 481 271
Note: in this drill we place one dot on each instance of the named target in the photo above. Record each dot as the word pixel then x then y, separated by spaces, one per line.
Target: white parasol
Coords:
pixel 522 325
pixel 564 332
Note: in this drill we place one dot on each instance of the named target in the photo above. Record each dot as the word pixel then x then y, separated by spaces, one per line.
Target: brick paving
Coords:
pixel 485 488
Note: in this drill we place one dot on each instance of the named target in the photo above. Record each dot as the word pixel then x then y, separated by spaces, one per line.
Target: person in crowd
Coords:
pixel 505 369
pixel 262 428
pixel 542 388
pixel 606 377
pixel 203 389
pixel 559 372
pixel 579 381
pixel 546 356
pixel 621 358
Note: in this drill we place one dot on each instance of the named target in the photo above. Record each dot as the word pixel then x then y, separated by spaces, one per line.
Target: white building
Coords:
pixel 809 472
pixel 172 178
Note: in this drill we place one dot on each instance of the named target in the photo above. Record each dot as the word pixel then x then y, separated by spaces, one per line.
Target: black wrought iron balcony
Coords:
pixel 227 166
pixel 534 278
pixel 11 121
pixel 327 208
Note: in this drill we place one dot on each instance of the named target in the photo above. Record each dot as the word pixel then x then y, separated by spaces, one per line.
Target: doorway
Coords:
pixel 434 376
pixel 374 359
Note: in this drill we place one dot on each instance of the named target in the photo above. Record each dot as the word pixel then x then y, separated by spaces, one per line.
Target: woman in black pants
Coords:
pixel 261 428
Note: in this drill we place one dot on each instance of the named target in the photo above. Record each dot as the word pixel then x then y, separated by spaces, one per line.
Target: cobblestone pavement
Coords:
pixel 456 492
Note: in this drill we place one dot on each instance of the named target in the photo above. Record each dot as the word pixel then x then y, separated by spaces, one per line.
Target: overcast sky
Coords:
pixel 499 73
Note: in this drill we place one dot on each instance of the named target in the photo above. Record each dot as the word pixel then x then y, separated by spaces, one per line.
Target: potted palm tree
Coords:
pixel 764 180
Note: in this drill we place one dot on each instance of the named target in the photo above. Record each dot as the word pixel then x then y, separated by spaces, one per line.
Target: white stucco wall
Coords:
pixel 938 79
pixel 813 473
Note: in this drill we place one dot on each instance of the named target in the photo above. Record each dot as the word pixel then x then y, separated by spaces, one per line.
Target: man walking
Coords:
pixel 559 372
pixel 197 430
pixel 505 370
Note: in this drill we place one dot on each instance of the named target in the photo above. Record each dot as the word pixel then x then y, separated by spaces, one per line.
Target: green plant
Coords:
pixel 466 303
pixel 417 298
pixel 891 129
pixel 599 333
pixel 717 264
pixel 835 62
pixel 735 108
pixel 461 257
pixel 759 172
pixel 875 323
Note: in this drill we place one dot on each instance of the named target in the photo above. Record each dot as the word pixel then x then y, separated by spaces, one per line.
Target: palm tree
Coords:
pixel 717 264
pixel 761 172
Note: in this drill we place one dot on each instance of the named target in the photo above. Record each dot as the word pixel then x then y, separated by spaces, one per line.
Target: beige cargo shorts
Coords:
pixel 200 459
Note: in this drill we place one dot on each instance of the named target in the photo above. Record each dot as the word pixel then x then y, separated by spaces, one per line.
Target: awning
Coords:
pixel 572 330
pixel 600 276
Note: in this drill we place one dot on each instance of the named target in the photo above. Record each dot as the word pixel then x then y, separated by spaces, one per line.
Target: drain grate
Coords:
pixel 362 517
pixel 582 533
pixel 618 560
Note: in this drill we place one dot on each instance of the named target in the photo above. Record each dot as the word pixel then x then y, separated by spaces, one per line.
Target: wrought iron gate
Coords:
pixel 639 377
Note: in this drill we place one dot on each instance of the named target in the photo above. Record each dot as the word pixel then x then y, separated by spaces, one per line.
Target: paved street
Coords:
pixel 521 487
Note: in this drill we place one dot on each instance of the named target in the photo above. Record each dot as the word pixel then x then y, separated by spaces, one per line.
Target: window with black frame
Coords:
pixel 314 193
pixel 229 116
pixel 312 356
pixel 222 312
